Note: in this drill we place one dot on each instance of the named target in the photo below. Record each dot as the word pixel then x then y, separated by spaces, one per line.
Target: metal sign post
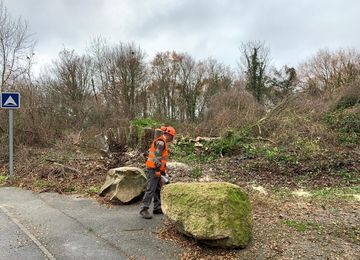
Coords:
pixel 11 101
pixel 11 142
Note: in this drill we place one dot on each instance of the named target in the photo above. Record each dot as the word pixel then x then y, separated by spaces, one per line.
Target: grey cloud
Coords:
pixel 293 30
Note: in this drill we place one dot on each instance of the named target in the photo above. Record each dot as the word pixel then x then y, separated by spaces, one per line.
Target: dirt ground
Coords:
pixel 291 228
pixel 285 226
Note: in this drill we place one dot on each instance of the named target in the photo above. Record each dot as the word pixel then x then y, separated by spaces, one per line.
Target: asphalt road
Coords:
pixel 55 226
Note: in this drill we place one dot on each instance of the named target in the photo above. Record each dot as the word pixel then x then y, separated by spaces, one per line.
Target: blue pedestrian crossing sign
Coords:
pixel 10 100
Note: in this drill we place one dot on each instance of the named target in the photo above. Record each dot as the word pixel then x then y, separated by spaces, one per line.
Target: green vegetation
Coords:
pixel 93 190
pixel 231 142
pixel 184 151
pixel 346 123
pixel 196 173
pixel 302 226
pixel 41 184
pixel 346 102
pixel 145 122
pixel 349 176
pixel 3 178
pixel 307 147
pixel 346 193
pixel 140 123
pixel 70 189
pixel 278 155
pixel 243 142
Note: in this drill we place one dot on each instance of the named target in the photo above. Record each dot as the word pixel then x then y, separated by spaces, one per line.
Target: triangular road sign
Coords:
pixel 10 102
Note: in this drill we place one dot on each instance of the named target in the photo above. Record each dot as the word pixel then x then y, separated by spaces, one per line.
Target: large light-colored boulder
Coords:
pixel 215 213
pixel 125 183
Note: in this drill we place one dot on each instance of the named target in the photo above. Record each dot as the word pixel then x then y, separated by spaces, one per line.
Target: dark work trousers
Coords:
pixel 152 190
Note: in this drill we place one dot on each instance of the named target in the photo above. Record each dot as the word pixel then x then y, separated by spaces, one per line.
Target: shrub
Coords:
pixel 348 139
pixel 232 108
pixel 346 102
pixel 183 150
pixel 144 122
pixel 3 178
pixel 346 123
pixel 306 147
pixel 350 96
pixel 93 190
pixel 231 142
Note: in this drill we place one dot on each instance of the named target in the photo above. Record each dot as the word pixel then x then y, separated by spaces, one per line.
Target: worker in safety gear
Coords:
pixel 156 167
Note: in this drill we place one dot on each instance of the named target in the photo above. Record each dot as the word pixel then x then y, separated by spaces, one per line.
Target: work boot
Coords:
pixel 145 214
pixel 158 211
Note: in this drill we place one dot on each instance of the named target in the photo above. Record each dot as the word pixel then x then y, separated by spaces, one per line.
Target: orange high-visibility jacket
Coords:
pixel 150 162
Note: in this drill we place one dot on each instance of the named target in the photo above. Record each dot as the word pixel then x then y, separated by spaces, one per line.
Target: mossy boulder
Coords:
pixel 214 213
pixel 124 183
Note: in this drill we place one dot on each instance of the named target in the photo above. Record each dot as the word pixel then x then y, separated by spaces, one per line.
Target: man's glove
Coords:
pixel 157 174
pixel 157 162
pixel 165 179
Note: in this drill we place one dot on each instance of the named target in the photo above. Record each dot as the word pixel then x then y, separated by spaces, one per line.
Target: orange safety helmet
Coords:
pixel 169 130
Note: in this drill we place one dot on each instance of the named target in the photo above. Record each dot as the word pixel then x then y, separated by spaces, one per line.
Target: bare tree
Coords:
pixel 217 78
pixel 181 87
pixel 71 86
pixel 16 47
pixel 327 70
pixel 163 88
pixel 132 75
pixel 121 72
pixel 191 83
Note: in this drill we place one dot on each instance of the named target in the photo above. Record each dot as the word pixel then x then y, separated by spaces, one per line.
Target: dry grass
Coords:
pixel 235 108
pixel 300 116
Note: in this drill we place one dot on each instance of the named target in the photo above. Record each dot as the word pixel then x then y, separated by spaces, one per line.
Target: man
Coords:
pixel 156 166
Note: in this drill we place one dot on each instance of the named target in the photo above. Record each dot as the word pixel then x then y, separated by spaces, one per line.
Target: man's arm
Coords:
pixel 159 148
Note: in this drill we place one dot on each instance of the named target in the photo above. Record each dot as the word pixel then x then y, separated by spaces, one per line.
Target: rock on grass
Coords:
pixel 215 213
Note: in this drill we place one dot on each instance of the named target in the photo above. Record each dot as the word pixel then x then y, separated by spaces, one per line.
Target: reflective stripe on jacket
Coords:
pixel 150 162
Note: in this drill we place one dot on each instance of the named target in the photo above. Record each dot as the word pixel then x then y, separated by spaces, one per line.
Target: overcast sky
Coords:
pixel 293 30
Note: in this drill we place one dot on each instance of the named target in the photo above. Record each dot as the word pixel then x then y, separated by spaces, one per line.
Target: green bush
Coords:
pixel 145 122
pixel 347 101
pixel 346 123
pixel 330 118
pixel 251 150
pixel 93 190
pixel 349 176
pixel 227 144
pixel 350 123
pixel 232 142
pixel 183 151
pixel 306 148
pixel 349 139
pixel 272 154
pixel 3 178
pixel 138 124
